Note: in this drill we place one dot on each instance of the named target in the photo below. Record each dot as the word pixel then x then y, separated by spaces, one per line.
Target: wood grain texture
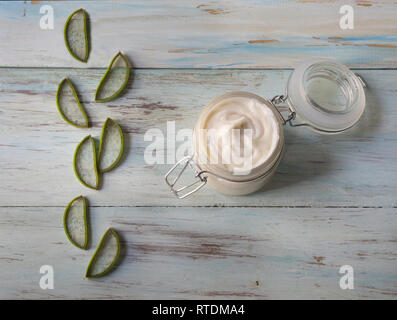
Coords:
pixel 200 34
pixel 212 253
pixel 332 201
pixel 357 168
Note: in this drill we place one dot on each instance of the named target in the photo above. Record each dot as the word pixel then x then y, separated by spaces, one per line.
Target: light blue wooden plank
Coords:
pixel 357 168
pixel 210 253
pixel 238 34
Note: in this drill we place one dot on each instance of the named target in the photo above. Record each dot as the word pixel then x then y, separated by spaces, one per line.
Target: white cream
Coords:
pixel 245 129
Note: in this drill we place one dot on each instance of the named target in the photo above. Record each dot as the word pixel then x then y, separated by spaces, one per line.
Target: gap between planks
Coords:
pixel 191 69
pixel 218 206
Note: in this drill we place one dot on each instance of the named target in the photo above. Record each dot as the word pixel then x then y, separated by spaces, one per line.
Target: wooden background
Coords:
pixel 332 201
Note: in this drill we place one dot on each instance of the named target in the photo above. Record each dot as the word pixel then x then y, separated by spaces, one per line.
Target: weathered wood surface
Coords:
pixel 215 253
pixel 357 168
pixel 332 201
pixel 195 33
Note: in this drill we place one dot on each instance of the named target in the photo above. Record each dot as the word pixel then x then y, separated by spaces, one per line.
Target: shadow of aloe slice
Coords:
pixel 69 106
pixel 76 35
pixel 114 80
pixel 105 255
pixel 111 146
pixel 75 222
pixel 84 163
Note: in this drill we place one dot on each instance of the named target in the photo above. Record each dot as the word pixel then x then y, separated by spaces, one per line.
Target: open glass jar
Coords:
pixel 321 94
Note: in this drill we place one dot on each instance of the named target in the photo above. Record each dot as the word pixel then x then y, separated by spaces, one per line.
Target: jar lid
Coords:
pixel 326 95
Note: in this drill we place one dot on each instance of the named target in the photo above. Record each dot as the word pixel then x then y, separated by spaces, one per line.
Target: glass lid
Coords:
pixel 326 95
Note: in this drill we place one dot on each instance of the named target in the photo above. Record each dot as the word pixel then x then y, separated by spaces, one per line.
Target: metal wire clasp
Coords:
pixel 199 183
pixel 279 100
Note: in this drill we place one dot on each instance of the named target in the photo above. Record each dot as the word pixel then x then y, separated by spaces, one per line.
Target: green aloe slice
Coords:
pixel 75 222
pixel 69 106
pixel 84 163
pixel 111 146
pixel 105 255
pixel 114 80
pixel 76 35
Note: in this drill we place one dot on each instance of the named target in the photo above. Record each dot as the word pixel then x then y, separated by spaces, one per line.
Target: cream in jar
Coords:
pixel 239 134
pixel 238 142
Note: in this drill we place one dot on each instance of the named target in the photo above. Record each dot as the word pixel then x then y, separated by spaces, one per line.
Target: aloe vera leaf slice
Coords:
pixel 105 255
pixel 111 146
pixel 69 106
pixel 84 163
pixel 114 80
pixel 76 35
pixel 75 222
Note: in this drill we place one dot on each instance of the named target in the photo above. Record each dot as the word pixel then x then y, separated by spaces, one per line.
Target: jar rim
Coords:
pixel 326 119
pixel 339 75
pixel 220 171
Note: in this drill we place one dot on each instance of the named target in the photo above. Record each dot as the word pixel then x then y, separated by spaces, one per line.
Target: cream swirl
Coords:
pixel 241 133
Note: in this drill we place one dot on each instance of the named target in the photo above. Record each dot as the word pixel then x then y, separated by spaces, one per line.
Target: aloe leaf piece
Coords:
pixel 114 80
pixel 84 163
pixel 69 106
pixel 76 35
pixel 111 146
pixel 105 255
pixel 75 222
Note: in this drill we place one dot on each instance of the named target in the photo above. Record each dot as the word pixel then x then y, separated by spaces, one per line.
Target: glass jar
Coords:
pixel 321 94
pixel 325 95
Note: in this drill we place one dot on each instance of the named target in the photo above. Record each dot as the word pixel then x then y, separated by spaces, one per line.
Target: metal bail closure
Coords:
pixel 279 100
pixel 190 188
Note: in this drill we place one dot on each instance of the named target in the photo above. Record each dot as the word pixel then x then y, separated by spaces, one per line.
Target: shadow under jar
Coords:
pixel 323 95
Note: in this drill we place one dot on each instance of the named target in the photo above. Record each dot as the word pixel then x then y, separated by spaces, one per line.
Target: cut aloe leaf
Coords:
pixel 111 146
pixel 84 163
pixel 75 222
pixel 76 35
pixel 69 105
pixel 114 80
pixel 105 255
